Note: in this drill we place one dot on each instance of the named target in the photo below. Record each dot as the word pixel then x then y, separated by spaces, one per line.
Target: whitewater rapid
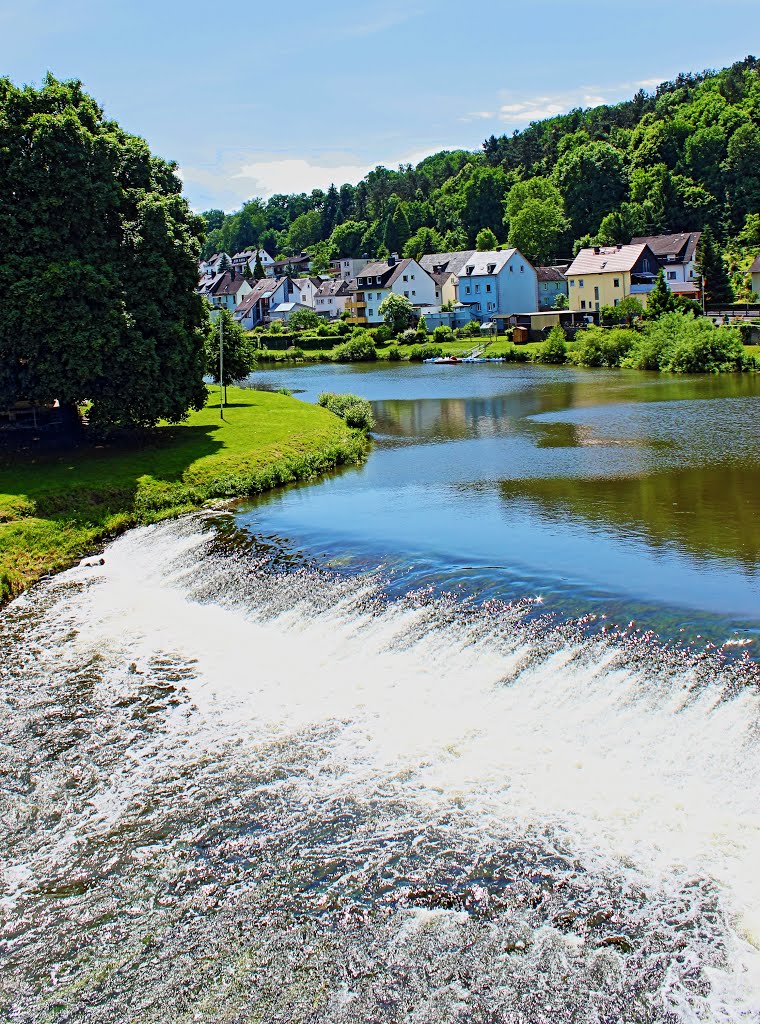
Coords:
pixel 570 822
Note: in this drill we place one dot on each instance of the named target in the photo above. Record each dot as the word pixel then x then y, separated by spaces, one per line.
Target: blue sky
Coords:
pixel 252 99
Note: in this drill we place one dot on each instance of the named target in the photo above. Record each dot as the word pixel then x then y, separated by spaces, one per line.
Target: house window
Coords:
pixel 371 312
pixel 511 270
pixel 492 305
pixel 572 283
pixel 616 282
pixel 477 288
pixel 580 282
pixel 617 302
pixel 596 292
pixel 488 287
pixel 412 276
pixel 467 289
pixel 522 268
pixel 406 277
pixel 413 292
pixel 671 275
pixel 583 303
pixel 406 294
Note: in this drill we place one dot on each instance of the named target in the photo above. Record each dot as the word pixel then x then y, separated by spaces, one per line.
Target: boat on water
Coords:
pixel 476 356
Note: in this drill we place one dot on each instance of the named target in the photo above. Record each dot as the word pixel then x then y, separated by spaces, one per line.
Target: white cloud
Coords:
pixel 519 110
pixel 245 175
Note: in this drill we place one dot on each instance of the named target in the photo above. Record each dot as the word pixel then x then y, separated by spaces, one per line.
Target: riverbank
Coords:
pixel 57 508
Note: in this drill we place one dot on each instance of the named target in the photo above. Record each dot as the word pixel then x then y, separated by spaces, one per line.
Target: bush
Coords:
pixel 357 412
pixel 275 327
pixel 443 334
pixel 356 350
pixel 394 355
pixel 554 349
pixel 679 343
pixel 408 337
pixel 381 334
pixel 597 347
pixel 305 320
pixel 469 330
pixel 420 352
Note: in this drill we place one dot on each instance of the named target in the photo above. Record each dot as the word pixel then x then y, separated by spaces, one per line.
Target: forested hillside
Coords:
pixel 679 158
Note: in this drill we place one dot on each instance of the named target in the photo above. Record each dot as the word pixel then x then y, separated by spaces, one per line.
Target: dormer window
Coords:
pixel 468 270
pixel 491 268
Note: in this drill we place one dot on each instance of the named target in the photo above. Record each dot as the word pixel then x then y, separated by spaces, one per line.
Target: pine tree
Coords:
pixel 660 299
pixel 258 267
pixel 709 261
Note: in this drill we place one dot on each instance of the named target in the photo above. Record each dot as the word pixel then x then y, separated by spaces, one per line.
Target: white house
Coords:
pixel 245 262
pixel 444 267
pixel 501 282
pixel 255 306
pixel 305 290
pixel 211 265
pixel 292 266
pixel 225 290
pixel 378 280
pixel 347 268
pixel 676 254
pixel 331 298
pixel 285 310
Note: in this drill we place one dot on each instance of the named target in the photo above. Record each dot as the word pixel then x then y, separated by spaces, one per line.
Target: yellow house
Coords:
pixel 604 275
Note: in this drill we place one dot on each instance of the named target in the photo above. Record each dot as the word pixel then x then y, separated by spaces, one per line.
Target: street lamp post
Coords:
pixel 222 395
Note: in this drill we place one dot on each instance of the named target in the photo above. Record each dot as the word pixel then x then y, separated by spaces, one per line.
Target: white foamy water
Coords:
pixel 645 773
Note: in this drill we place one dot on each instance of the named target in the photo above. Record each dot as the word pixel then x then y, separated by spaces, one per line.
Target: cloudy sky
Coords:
pixel 252 99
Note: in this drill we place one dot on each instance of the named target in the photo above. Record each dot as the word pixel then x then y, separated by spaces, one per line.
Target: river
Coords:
pixel 469 733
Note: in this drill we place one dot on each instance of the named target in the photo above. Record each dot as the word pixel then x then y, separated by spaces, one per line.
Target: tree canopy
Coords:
pixel 99 264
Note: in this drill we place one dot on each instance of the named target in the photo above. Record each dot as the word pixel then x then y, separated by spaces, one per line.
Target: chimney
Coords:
pixel 392 259
pixel 620 246
pixel 596 250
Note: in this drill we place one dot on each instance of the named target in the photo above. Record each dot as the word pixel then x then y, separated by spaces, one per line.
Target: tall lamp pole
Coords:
pixel 221 366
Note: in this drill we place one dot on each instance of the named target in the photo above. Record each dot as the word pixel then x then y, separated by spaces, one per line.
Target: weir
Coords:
pixel 236 783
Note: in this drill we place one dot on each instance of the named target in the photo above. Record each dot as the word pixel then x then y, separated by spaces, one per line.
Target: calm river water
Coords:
pixel 469 733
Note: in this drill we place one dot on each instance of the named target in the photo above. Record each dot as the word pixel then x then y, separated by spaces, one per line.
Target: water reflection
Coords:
pixel 600 489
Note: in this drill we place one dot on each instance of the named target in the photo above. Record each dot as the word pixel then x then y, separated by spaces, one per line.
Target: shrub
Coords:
pixel 420 352
pixel 275 327
pixel 443 334
pixel 679 343
pixel 381 334
pixel 408 337
pixel 342 328
pixel 394 355
pixel 554 349
pixel 356 350
pixel 305 320
pixel 357 412
pixel 597 347
pixel 469 330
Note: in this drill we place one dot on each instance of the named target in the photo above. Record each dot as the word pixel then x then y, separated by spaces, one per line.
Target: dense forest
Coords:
pixel 682 157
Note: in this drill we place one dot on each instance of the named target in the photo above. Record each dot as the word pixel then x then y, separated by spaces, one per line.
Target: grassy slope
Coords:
pixel 56 508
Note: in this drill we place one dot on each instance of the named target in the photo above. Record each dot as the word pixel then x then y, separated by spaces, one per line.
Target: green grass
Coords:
pixel 56 508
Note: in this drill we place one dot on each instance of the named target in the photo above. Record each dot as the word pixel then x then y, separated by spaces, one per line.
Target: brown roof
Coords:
pixel 681 244
pixel 226 283
pixel 606 259
pixel 549 274
pixel 262 289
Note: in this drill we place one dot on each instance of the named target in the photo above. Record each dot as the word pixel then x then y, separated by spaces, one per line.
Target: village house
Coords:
pixel 254 308
pixel 305 290
pixel 245 262
pixel 500 282
pixel 389 277
pixel 331 298
pixel 551 283
pixel 604 275
pixel 293 266
pixel 212 265
pixel 676 255
pixel 225 290
pixel 347 268
pixel 444 268
pixel 755 272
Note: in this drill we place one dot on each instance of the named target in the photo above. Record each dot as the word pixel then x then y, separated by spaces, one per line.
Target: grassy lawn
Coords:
pixel 55 508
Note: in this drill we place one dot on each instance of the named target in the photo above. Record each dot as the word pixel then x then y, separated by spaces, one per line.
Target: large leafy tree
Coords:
pixel 99 264
pixel 397 312
pixel 592 181
pixel 535 215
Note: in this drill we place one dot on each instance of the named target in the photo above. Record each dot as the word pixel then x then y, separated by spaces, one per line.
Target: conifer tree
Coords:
pixel 709 261
pixel 258 267
pixel 660 299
